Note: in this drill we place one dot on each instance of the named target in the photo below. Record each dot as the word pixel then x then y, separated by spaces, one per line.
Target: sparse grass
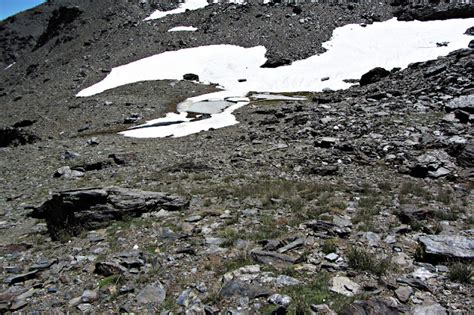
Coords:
pixel 367 209
pixel 230 235
pixel 461 272
pixel 413 188
pixel 269 229
pixel 360 259
pixel 329 246
pixel 223 265
pixel 445 196
pixel 385 186
pixel 111 280
pixel 314 292
pixel 240 261
pixel 169 304
pixel 448 215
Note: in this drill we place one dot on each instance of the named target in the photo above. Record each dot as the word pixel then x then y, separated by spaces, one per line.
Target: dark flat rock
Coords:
pixel 240 288
pixel 274 259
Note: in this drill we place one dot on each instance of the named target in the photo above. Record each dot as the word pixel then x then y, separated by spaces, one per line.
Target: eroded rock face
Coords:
pixel 443 247
pixel 67 213
pixel 61 17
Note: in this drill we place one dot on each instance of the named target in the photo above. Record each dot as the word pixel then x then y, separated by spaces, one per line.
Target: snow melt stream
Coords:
pixel 352 51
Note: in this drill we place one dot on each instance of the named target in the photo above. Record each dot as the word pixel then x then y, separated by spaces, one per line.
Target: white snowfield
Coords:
pixel 352 51
pixel 183 29
pixel 188 5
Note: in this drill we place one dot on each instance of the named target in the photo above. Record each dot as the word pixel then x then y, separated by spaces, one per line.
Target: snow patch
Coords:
pixel 9 66
pixel 187 5
pixel 352 51
pixel 187 127
pixel 190 5
pixel 183 29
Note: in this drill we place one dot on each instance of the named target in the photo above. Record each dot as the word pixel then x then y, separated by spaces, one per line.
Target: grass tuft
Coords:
pixel 360 259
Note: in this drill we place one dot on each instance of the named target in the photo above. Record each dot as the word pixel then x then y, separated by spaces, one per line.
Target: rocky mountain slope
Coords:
pixel 356 201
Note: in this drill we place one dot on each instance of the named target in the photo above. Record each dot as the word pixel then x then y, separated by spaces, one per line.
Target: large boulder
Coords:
pixel 446 247
pixel 68 213
pixel 373 75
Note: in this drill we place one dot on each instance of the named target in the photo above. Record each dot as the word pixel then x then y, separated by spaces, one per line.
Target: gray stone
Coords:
pixel 279 299
pixel 107 269
pixel 74 301
pixel 322 309
pixel 375 306
pixel 193 218
pixel 433 309
pixel 152 294
pixel 344 286
pixel 295 244
pixel 447 247
pixel 67 172
pixel 89 296
pixel 85 307
pixel 328 228
pixel 465 103
pixel 240 288
pixel 332 257
pixel 274 259
pixel 22 277
pixel 403 293
pixel 187 298
pixel 284 280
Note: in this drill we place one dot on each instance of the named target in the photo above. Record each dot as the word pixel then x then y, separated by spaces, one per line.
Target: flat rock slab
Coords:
pixel 152 294
pixel 240 288
pixel 374 306
pixel 433 309
pixel 274 259
pixel 344 286
pixel 68 213
pixel 447 247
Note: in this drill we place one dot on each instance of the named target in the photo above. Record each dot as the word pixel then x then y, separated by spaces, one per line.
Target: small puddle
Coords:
pixel 204 107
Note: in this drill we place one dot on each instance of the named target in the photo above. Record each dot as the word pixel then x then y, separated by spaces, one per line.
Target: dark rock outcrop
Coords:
pixel 430 13
pixel 68 213
pixel 16 137
pixel 466 158
pixel 275 62
pixel 373 76
pixel 191 77
pixel 62 17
